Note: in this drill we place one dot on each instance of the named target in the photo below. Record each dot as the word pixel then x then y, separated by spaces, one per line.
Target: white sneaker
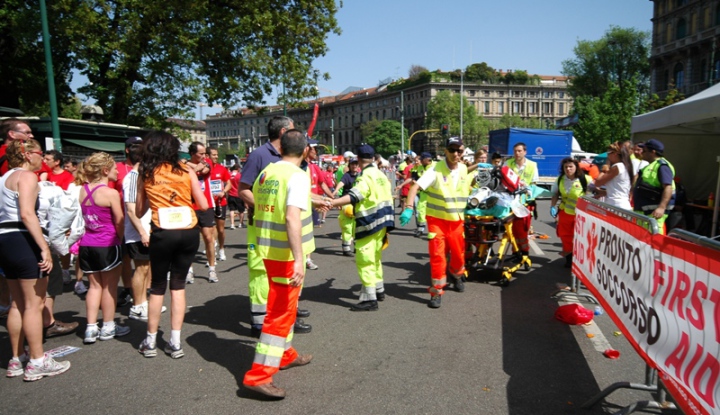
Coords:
pixel 139 312
pixel 190 277
pixel 212 276
pixel 232 227
pixel 221 255
pixel 80 288
pixel 310 264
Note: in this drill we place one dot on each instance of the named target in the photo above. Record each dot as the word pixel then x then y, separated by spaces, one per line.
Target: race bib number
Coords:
pixel 216 187
pixel 180 217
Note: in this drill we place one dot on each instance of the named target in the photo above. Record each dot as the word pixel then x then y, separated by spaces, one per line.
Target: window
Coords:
pixel 561 108
pixel 486 93
pixel 717 15
pixel 501 107
pixel 703 71
pixel 681 29
pixel 486 106
pixel 548 108
pixel 532 107
pixel 561 94
pixel 501 94
pixel 547 94
pixel 517 107
pixel 517 94
pixel 678 75
pixel 666 79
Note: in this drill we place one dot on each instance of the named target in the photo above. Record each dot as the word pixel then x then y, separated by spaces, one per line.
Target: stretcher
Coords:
pixel 489 216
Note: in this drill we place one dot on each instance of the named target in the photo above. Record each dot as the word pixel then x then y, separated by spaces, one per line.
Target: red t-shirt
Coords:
pixel 62 179
pixel 205 187
pixel 44 168
pixel 123 170
pixel 235 176
pixel 406 173
pixel 316 177
pixel 4 166
pixel 219 175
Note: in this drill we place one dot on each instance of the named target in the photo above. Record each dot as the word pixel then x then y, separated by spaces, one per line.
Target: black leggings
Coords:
pixel 171 251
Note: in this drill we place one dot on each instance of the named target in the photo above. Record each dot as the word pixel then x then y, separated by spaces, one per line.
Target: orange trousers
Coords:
pixel 446 237
pixel 566 230
pixel 274 349
pixel 520 230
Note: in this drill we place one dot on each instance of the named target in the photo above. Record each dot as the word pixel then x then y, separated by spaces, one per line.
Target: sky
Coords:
pixel 383 39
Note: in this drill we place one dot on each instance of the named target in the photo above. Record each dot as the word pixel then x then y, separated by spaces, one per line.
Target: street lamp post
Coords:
pixel 402 123
pixel 462 95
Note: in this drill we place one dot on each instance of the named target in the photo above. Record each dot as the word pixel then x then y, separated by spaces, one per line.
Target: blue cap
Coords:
pixel 133 141
pixel 312 143
pixel 365 151
pixel 425 155
pixel 653 144
pixel 454 141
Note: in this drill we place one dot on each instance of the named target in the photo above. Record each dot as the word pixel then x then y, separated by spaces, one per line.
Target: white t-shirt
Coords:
pixel 298 189
pixel 637 165
pixel 428 178
pixel 130 196
pixel 618 189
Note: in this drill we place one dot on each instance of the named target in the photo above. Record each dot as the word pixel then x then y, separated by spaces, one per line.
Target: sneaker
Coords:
pixel 117 331
pixel 146 350
pixel 80 288
pixel 459 284
pixel 15 367
pixel 138 312
pixel 49 367
pixel 67 279
pixel 190 277
pixel 91 335
pixel 175 351
pixel 58 328
pixel 310 264
pixel 232 227
pixel 221 255
pixel 124 298
pixel 212 276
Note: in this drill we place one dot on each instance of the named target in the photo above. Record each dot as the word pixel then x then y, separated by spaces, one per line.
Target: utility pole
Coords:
pixel 332 134
pixel 55 124
pixel 462 95
pixel 402 122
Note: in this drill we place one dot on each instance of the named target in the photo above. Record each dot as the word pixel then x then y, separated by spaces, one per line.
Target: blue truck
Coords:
pixel 545 147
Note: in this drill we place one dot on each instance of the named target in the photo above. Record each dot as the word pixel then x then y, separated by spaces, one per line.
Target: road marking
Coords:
pixel 535 248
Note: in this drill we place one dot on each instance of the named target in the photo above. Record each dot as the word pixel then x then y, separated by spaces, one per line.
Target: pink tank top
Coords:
pixel 99 227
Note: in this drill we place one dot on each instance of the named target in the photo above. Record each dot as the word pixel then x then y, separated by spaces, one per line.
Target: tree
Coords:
pixel 23 76
pixel 444 108
pixel 481 72
pixel 622 53
pixel 385 139
pixel 147 61
pixel 415 71
pixel 367 128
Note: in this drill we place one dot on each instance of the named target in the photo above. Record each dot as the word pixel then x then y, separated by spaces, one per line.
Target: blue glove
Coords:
pixel 406 216
pixel 553 211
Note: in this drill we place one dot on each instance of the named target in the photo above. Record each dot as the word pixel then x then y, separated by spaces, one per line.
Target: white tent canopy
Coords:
pixel 690 131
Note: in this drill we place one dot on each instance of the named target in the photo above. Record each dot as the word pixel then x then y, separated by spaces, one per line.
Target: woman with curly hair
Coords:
pixel 571 185
pixel 100 247
pixel 26 260
pixel 167 187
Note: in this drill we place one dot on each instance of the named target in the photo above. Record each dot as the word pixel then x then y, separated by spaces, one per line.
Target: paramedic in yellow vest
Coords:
pixel 283 221
pixel 372 199
pixel 346 217
pixel 447 185
pixel 421 199
pixel 528 172
pixel 654 191
pixel 570 186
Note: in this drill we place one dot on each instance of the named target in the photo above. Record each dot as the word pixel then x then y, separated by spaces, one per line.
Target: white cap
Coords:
pixel 349 154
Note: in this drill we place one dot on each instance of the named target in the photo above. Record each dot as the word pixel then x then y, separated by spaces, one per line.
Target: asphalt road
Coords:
pixel 489 350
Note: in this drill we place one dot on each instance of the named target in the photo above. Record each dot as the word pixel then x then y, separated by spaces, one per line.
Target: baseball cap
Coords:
pixel 454 141
pixel 133 141
pixel 425 155
pixel 653 144
pixel 365 151
pixel 312 143
pixel 353 160
pixel 349 154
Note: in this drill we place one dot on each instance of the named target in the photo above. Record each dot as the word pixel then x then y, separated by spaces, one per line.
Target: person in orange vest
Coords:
pixel 284 237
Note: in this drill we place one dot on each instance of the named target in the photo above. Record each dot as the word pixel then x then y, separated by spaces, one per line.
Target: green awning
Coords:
pixel 107 146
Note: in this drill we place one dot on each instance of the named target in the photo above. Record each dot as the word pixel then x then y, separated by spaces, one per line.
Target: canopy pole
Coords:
pixel 716 208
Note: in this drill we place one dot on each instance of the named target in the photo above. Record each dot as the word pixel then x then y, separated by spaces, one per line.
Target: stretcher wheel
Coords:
pixel 526 266
pixel 504 282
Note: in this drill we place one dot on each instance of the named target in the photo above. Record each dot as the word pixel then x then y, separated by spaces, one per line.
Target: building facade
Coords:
pixel 340 117
pixel 685 42
pixel 191 130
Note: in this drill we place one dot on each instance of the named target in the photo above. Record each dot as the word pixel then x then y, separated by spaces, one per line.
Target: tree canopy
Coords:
pixel 146 61
pixel 444 108
pixel 385 138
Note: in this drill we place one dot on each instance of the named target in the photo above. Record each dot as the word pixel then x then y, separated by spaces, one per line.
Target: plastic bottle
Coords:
pixel 598 310
pixel 711 200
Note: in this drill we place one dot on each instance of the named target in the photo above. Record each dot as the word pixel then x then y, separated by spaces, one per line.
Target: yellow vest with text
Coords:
pixel 270 193
pixel 446 201
pixel 528 174
pixel 568 200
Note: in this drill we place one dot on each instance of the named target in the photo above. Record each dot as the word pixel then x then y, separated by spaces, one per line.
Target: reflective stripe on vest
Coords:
pixel 528 173
pixel 649 176
pixel 373 211
pixel 446 201
pixel 270 192
pixel 569 200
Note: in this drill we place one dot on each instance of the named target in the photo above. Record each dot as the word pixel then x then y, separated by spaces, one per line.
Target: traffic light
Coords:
pixel 445 130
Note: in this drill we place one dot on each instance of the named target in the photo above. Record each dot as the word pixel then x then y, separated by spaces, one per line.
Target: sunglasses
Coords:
pixel 457 150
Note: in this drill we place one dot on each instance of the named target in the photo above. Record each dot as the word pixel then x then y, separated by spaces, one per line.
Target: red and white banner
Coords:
pixel 664 295
pixel 311 128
